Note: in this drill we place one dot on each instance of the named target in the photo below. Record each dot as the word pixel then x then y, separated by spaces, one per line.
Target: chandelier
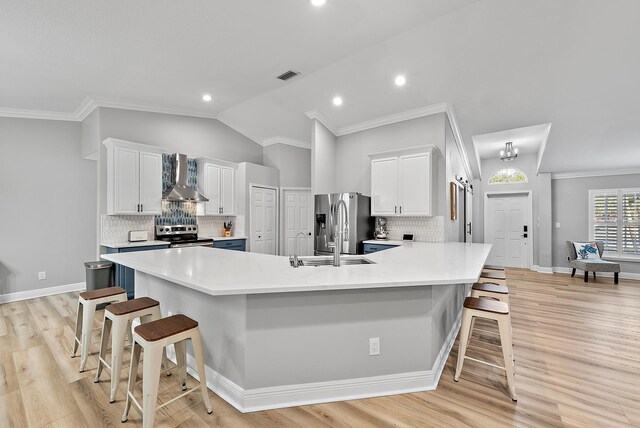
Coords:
pixel 509 153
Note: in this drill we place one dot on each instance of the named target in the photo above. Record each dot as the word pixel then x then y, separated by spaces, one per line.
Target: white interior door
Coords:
pixel 297 219
pixel 263 220
pixel 506 218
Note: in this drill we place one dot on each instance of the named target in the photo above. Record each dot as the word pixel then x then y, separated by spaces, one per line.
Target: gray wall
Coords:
pixel 294 164
pixel 545 230
pixel 454 229
pixel 570 202
pixel 323 159
pixel 48 204
pixel 90 136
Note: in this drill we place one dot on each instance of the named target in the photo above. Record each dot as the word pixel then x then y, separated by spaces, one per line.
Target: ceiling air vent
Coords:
pixel 288 75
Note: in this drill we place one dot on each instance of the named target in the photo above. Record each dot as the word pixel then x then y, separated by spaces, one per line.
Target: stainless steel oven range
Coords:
pixel 182 235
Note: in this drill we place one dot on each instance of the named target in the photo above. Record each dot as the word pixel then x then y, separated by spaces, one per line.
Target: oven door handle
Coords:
pixel 204 244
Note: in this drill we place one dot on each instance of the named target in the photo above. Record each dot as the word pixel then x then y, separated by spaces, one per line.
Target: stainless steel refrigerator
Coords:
pixel 360 226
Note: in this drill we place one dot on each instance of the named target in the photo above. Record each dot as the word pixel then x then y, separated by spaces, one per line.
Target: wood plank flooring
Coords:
pixel 577 349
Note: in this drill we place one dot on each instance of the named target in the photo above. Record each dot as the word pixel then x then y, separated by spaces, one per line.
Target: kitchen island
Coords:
pixel 275 336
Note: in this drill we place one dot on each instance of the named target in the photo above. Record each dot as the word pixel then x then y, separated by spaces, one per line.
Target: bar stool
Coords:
pixel 87 303
pixel 496 277
pixel 494 267
pixel 118 316
pixel 153 337
pixel 493 310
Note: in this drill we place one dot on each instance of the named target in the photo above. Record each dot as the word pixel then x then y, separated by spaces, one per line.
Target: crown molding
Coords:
pixel 288 141
pixel 594 173
pixel 37 114
pixel 86 107
pixel 109 103
pixel 394 118
pixel 315 114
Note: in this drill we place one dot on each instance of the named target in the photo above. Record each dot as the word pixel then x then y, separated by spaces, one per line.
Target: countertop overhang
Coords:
pixel 221 272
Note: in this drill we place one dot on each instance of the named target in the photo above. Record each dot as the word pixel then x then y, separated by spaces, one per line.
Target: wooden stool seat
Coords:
pixel 486 305
pixel 133 305
pixel 153 337
pixel 494 275
pixel 165 327
pixel 491 310
pixel 490 287
pixel 102 292
pixel 494 267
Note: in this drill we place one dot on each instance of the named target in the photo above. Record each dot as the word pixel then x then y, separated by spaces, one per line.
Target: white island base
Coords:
pixel 265 351
pixel 268 347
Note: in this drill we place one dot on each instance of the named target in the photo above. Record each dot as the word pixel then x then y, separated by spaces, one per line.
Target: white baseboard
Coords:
pixel 542 269
pixel 625 275
pixel 258 399
pixel 41 292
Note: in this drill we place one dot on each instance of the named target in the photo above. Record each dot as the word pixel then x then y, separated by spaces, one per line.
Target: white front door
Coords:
pixel 263 220
pixel 507 218
pixel 297 219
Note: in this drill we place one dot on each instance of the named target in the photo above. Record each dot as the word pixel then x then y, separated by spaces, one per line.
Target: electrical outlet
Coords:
pixel 42 275
pixel 558 225
pixel 374 346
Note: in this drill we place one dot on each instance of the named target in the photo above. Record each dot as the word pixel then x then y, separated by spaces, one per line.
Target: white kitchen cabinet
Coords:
pixel 134 178
pixel 216 181
pixel 401 183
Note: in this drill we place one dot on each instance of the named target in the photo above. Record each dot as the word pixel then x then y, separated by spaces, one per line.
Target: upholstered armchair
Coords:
pixel 591 265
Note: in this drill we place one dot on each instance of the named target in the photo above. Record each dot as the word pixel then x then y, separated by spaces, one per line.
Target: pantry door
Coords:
pixel 508 229
pixel 263 220
pixel 297 222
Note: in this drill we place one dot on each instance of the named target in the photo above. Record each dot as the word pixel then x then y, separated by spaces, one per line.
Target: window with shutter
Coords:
pixel 615 219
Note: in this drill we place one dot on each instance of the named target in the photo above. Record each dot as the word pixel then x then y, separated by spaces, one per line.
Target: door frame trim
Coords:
pixel 529 194
pixel 277 208
pixel 282 203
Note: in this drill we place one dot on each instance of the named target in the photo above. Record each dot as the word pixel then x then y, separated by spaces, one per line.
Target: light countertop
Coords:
pixel 221 272
pixel 222 238
pixel 127 244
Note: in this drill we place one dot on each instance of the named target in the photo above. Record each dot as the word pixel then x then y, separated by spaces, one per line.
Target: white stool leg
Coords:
pixel 464 339
pixel 197 351
pixel 133 377
pixel 104 342
pixel 504 324
pixel 153 316
pixel 88 313
pixel 473 324
pixel 181 360
pixel 78 336
pixel 118 335
pixel 150 382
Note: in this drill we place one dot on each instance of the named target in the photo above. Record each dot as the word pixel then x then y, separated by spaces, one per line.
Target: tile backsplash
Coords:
pixel 212 226
pixel 115 228
pixel 177 213
pixel 424 229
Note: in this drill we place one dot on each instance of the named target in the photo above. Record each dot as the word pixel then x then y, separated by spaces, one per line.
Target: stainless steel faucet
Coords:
pixel 294 260
pixel 340 233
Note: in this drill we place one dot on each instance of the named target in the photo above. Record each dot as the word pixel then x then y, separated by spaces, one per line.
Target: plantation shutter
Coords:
pixel 630 223
pixel 605 220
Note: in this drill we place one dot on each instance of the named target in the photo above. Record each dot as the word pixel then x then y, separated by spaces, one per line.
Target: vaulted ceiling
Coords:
pixel 502 64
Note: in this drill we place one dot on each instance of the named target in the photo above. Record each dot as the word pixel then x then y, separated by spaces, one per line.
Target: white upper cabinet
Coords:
pixel 216 181
pixel 401 183
pixel 134 178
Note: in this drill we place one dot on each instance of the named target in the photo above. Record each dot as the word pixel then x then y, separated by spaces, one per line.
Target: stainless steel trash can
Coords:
pixel 99 274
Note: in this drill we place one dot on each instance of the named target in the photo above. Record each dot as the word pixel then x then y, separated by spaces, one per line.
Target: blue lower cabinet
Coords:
pixel 374 248
pixel 231 244
pixel 124 276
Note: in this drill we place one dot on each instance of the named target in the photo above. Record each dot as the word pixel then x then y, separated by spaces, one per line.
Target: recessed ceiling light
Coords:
pixel 400 80
pixel 337 101
pixel 207 98
pixel 318 3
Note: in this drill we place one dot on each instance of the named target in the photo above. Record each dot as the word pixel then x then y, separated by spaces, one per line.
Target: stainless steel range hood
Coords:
pixel 180 191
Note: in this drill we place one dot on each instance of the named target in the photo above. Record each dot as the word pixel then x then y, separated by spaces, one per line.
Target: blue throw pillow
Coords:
pixel 587 250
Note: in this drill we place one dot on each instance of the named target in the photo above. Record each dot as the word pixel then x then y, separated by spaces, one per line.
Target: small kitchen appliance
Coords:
pixel 381 231
pixel 181 235
pixel 138 235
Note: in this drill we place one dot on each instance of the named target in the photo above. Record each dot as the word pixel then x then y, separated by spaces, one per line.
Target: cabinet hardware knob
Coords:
pixel 395 209
pixel 400 209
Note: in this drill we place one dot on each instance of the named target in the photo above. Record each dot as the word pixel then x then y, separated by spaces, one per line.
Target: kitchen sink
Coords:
pixel 328 261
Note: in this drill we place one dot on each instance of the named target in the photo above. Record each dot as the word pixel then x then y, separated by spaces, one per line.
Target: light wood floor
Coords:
pixel 577 349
